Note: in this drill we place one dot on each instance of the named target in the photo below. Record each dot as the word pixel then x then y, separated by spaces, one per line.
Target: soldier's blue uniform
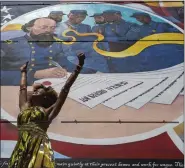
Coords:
pixel 151 28
pixel 163 55
pixel 116 31
pixel 100 28
pixel 97 26
pixel 93 62
pixel 81 28
pixel 115 34
pixel 134 33
pixel 19 52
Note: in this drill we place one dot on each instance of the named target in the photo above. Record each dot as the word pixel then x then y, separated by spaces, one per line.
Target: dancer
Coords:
pixel 38 108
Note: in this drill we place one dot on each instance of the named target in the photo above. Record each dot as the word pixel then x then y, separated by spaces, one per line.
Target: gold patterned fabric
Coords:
pixel 33 149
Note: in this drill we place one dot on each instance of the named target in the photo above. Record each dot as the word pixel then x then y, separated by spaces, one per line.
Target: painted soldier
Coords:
pixel 99 28
pixel 57 16
pixel 115 30
pixel 150 27
pixel 38 48
pixel 75 19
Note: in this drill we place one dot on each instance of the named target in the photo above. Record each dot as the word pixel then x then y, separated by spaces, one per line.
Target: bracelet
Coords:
pixel 78 68
pixel 23 88
pixel 77 71
pixel 65 90
pixel 24 71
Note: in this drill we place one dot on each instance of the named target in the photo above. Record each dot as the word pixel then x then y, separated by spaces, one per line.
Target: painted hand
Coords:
pixel 51 73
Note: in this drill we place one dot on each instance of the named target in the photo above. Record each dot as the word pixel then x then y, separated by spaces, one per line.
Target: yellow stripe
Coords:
pixel 139 46
pixel 64 34
pixel 100 37
pixel 156 4
pixel 12 27
pixel 142 44
pixel 172 4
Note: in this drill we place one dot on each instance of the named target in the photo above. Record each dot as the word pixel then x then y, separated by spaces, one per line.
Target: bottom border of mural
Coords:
pixel 111 163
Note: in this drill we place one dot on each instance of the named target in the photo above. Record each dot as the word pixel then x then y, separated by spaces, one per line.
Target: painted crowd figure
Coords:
pixel 147 27
pixel 99 27
pixel 94 61
pixel 58 17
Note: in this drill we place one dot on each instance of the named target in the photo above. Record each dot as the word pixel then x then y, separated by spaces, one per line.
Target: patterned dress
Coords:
pixel 33 149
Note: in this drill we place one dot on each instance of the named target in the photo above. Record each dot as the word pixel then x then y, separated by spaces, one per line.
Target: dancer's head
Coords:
pixel 42 96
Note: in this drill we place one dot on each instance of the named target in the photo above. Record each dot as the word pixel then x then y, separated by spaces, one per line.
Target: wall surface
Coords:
pixel 132 76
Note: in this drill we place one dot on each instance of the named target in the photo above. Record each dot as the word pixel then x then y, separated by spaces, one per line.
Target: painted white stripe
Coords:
pixel 176 140
pixel 108 141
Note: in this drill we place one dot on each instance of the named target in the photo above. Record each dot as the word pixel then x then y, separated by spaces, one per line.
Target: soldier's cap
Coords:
pixel 83 12
pixel 96 14
pixel 111 12
pixel 140 14
pixel 57 12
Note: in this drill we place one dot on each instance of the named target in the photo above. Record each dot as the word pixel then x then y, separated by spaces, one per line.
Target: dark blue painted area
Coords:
pixel 152 58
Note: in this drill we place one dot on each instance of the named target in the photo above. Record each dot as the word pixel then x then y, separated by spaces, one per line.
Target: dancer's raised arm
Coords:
pixel 65 90
pixel 23 86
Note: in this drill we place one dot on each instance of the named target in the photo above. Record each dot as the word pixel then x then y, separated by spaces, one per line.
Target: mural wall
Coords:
pixel 133 74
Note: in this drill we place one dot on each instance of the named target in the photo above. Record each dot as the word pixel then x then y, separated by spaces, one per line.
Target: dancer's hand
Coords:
pixel 81 58
pixel 24 67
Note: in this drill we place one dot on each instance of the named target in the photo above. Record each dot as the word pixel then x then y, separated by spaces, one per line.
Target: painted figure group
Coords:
pixel 39 47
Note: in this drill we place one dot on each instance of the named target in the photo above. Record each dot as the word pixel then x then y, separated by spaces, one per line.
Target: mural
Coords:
pixel 133 73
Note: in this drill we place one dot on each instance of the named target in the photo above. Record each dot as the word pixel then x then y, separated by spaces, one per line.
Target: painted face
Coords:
pixel 109 17
pixel 99 19
pixel 119 16
pixel 80 18
pixel 43 26
pixel 143 19
pixel 76 18
pixel 43 31
pixel 56 17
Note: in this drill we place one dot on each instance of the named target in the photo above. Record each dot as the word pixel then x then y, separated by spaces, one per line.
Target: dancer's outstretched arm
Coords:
pixel 23 86
pixel 65 90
